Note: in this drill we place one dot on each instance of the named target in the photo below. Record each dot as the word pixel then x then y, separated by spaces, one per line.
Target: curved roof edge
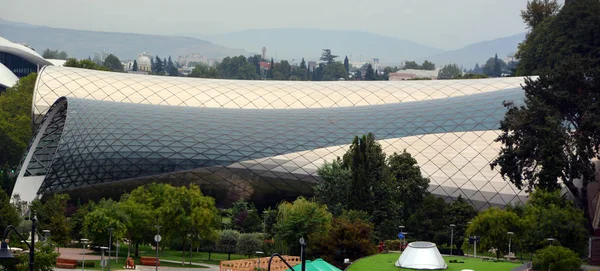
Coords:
pixel 20 50
pixel 7 78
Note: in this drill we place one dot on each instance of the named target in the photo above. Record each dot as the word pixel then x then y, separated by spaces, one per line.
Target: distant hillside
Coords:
pixel 308 43
pixel 81 44
pixel 478 52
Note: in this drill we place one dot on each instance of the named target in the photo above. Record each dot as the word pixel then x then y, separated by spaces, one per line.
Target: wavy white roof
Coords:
pixel 55 82
pixel 23 51
pixel 7 78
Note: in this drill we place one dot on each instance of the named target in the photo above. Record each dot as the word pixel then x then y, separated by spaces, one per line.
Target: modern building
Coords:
pixel 16 61
pixel 413 74
pixel 103 133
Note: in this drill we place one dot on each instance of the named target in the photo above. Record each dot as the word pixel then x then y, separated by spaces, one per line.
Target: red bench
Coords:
pixel 66 263
pixel 149 261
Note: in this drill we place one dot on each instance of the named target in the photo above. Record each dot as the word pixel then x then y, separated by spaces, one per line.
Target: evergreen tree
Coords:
pixel 135 66
pixel 158 67
pixel 271 67
pixel 346 64
pixel 370 73
pixel 302 64
pixel 497 68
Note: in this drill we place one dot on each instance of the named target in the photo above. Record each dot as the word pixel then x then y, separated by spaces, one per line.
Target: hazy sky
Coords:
pixel 443 24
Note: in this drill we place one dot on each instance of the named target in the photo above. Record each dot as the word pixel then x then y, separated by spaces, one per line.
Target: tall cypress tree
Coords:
pixel 135 66
pixel 346 65
pixel 271 69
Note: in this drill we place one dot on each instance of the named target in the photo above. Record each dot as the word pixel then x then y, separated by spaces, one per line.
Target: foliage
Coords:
pixel 348 238
pixel 135 66
pixel 85 64
pixel 473 76
pixel 548 214
pixel 77 220
pixel 327 57
pixel 204 71
pixel 370 73
pixel 171 69
pixel 428 66
pixel 113 63
pixel 104 215
pixel 188 214
pixel 228 240
pixel 494 67
pixel 51 216
pixel 54 54
pixel 554 135
pixel 459 213
pixel 15 124
pixel 301 219
pixel 407 179
pixel 158 66
pixel 556 38
pixel 8 213
pixel 249 243
pixel 269 220
pixel 411 65
pixel 556 258
pixel 237 67
pixel 245 217
pixel 428 221
pixel 333 72
pixel 333 190
pixel 450 71
pixel 538 10
pixel 43 260
pixel 282 70
pixel 492 226
pixel 346 64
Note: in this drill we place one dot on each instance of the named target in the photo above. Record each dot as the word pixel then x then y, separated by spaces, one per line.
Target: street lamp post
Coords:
pixel 5 254
pixel 510 233
pixel 46 235
pixel 302 258
pixel 550 240
pixel 402 232
pixel 157 238
pixel 83 241
pixel 110 230
pixel 102 260
pixel 451 237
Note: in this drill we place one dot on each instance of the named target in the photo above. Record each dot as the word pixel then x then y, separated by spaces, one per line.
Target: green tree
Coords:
pixel 408 180
pixel 135 66
pixel 15 125
pixel 370 73
pixel 492 225
pixel 348 238
pixel 52 215
pixel 44 258
pixel 459 212
pixel 187 212
pixel 85 64
pixel 204 71
pixel 346 64
pixel 412 65
pixel 538 10
pixel 333 188
pixel 54 54
pixel 556 258
pixel 282 68
pixel 327 57
pixel 104 215
pixel 548 214
pixel 333 72
pixel 77 221
pixel 554 135
pixel 157 66
pixel 237 67
pixel 8 213
pixel 450 71
pixel 429 66
pixel 113 63
pixel 556 38
pixel 427 222
pixel 302 218
pixel 249 243
pixel 228 242
pixel 269 218
pixel 171 69
pixel 494 67
pixel 245 217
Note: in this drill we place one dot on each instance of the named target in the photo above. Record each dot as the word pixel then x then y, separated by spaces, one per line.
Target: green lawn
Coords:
pixel 385 262
pixel 197 257
pixel 121 263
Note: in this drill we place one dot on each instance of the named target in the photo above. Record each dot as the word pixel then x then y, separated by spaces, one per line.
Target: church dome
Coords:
pixel 143 60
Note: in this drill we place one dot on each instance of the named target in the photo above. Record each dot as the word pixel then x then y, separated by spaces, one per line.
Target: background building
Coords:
pixel 144 62
pixel 16 61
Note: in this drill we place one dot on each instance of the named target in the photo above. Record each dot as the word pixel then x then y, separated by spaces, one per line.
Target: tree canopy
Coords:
pixel 113 63
pixel 54 54
pixel 538 10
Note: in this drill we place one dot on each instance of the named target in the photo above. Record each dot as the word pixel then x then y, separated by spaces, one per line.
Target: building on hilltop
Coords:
pixel 258 140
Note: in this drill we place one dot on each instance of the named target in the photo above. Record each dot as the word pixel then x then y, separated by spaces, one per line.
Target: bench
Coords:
pixel 66 263
pixel 149 261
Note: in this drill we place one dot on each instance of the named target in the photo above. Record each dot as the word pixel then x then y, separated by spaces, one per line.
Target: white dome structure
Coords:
pixel 144 62
pixel 421 256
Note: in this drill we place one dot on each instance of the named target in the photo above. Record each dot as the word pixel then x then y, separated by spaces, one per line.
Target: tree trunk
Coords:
pixel 183 253
pixel 228 256
pixel 137 249
pixel 209 255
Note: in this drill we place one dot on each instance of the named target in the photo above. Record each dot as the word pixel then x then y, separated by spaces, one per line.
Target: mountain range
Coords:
pixel 289 44
pixel 82 43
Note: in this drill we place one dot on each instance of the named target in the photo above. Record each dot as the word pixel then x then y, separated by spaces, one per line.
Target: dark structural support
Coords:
pixel 302 257
pixel 5 254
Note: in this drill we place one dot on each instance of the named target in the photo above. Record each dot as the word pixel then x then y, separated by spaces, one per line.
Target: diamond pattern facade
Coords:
pixel 261 140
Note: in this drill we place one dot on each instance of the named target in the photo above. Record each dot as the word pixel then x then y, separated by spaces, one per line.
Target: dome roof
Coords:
pixel 143 60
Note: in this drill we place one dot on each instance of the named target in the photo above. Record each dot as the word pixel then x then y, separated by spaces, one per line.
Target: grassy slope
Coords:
pixel 200 257
pixel 385 262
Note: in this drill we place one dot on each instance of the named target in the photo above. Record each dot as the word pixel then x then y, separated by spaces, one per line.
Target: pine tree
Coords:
pixel 302 64
pixel 497 69
pixel 346 64
pixel 370 73
pixel 158 67
pixel 271 69
pixel 135 67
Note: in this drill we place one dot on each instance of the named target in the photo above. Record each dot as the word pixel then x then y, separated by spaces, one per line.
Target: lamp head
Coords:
pixel 4 252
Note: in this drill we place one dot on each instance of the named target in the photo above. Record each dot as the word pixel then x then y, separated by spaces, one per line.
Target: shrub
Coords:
pixel 556 258
pixel 392 244
pixel 249 243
